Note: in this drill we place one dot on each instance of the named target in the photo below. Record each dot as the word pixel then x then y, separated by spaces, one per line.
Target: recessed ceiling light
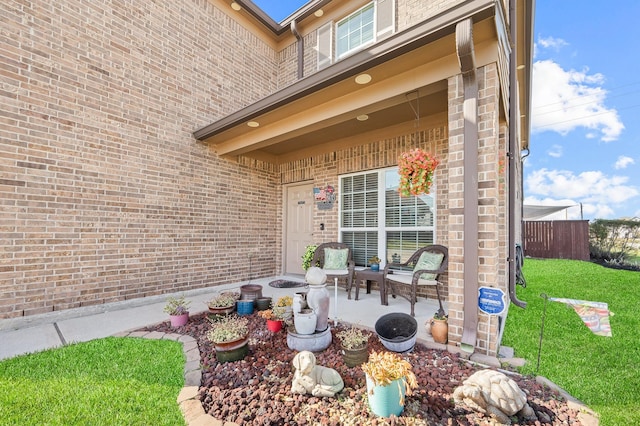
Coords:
pixel 253 124
pixel 363 78
pixel 319 13
pixel 362 117
pixel 235 6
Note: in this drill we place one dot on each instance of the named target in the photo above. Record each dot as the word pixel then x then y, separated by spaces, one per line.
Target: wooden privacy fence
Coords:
pixel 556 239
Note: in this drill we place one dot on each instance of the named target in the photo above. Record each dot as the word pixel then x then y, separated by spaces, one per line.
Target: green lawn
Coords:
pixel 602 372
pixel 112 381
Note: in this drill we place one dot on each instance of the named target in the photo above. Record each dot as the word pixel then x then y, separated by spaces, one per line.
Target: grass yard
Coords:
pixel 112 381
pixel 602 372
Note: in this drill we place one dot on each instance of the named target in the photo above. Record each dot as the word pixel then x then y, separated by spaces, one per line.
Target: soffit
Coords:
pixel 408 73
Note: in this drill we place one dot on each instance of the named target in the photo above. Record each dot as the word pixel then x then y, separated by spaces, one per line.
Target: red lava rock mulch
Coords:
pixel 256 390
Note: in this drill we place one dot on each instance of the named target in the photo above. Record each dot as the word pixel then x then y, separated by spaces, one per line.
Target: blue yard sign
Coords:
pixel 491 300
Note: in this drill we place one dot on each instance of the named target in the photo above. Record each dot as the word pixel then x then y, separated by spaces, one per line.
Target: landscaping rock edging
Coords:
pixel 194 414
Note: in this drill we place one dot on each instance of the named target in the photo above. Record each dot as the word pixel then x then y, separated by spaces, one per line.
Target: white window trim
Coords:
pixel 361 46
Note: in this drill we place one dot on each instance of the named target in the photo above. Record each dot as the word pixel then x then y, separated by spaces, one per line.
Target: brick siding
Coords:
pixel 106 196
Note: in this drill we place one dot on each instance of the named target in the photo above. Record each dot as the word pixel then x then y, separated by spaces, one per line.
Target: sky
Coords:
pixel 584 149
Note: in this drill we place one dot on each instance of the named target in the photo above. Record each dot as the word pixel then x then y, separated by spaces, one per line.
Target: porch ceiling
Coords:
pixel 319 112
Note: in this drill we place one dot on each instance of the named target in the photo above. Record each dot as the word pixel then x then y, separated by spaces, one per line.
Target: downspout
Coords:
pixel 513 146
pixel 300 46
pixel 466 57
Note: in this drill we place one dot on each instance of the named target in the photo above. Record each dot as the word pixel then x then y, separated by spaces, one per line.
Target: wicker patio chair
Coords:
pixel 344 271
pixel 403 279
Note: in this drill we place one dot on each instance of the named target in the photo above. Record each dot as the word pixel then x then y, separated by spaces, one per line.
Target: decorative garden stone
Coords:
pixel 314 379
pixel 493 393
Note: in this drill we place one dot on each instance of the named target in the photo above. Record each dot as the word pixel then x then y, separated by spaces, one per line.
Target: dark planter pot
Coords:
pixel 233 354
pixel 263 303
pixel 231 344
pixel 250 291
pixel 397 331
pixel 355 357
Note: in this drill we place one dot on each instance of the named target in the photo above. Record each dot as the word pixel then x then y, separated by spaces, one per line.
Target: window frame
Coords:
pixel 381 228
pixel 360 46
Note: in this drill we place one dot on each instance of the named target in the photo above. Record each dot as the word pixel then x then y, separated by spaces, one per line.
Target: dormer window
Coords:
pixel 364 27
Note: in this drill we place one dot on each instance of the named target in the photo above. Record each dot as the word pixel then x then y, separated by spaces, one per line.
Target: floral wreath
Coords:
pixel 416 172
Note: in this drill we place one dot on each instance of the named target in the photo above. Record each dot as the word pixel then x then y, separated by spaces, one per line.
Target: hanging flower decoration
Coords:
pixel 416 172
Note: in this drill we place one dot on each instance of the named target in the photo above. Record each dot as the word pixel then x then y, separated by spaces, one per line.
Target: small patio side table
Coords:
pixel 367 275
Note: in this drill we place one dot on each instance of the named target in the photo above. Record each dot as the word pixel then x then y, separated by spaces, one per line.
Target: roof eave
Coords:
pixel 399 44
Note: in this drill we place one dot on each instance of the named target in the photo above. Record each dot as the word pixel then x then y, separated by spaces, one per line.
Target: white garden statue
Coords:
pixel 493 393
pixel 314 379
pixel 315 276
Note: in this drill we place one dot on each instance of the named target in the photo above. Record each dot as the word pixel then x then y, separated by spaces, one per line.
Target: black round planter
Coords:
pixel 397 331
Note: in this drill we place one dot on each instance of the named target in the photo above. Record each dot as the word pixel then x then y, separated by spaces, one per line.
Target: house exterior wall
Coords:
pixel 104 193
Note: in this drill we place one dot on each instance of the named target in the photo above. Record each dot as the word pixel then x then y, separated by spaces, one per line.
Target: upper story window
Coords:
pixel 365 26
pixel 355 31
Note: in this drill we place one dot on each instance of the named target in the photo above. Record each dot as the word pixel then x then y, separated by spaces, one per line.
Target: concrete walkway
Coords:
pixel 38 332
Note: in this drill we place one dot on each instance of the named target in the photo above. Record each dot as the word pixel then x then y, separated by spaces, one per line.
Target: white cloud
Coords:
pixel 623 161
pixel 566 100
pixel 555 151
pixel 592 187
pixel 552 43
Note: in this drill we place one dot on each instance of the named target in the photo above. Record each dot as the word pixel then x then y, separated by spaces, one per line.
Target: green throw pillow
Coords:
pixel 335 258
pixel 431 261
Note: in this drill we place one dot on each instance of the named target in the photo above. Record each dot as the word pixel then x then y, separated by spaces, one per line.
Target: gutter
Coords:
pixel 513 145
pixel 300 46
pixel 464 47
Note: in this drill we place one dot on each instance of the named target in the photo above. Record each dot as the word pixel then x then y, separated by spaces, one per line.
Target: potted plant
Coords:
pixel 389 379
pixel 439 327
pixel 375 263
pixel 355 346
pixel 285 304
pixel 274 317
pixel 178 310
pixel 223 303
pixel 307 257
pixel 416 169
pixel 229 335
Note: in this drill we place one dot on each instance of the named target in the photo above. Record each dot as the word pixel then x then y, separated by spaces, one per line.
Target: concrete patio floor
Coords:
pixel 39 332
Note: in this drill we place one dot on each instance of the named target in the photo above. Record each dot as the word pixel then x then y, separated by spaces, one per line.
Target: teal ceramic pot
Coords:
pixel 385 401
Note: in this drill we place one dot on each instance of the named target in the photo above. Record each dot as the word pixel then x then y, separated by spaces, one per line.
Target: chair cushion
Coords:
pixel 334 272
pixel 431 261
pixel 407 278
pixel 335 258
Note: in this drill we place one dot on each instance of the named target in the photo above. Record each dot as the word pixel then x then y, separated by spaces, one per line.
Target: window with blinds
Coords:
pixel 375 220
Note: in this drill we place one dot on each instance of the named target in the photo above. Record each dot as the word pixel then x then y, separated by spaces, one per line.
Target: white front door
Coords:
pixel 299 225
